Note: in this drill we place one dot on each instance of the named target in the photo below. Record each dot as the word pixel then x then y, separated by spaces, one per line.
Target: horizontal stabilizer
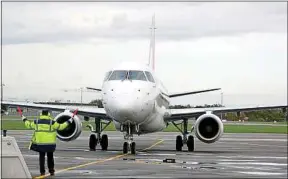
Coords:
pixel 192 92
pixel 95 89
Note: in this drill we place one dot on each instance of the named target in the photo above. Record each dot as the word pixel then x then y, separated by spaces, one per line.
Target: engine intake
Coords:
pixel 208 128
pixel 73 131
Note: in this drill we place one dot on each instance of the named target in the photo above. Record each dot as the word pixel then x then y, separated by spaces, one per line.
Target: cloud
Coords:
pixel 240 65
pixel 240 47
pixel 74 22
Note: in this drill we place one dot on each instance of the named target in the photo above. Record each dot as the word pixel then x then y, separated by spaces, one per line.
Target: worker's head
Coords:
pixel 45 112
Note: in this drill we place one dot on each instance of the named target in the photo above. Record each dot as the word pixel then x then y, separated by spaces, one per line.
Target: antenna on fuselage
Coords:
pixel 152 44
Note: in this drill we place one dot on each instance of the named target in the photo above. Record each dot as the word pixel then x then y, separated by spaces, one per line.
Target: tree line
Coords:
pixel 197 106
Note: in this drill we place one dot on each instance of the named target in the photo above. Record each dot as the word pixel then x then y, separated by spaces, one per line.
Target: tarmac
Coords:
pixel 233 156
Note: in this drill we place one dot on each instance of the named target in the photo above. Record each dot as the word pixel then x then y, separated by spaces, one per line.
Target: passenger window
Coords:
pixel 137 75
pixel 149 76
pixel 107 75
pixel 118 75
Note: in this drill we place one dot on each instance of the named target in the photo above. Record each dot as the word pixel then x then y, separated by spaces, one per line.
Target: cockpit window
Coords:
pixel 129 75
pixel 107 75
pixel 118 75
pixel 136 75
pixel 149 76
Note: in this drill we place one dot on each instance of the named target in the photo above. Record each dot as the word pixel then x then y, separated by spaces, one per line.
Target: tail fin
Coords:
pixel 152 45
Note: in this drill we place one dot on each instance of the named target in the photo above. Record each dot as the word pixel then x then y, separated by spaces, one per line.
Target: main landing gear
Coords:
pixel 181 141
pixel 102 140
pixel 128 136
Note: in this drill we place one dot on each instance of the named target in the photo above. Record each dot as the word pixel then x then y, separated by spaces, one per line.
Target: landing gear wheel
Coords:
pixel 179 143
pixel 190 143
pixel 125 147
pixel 104 142
pixel 92 142
pixel 133 148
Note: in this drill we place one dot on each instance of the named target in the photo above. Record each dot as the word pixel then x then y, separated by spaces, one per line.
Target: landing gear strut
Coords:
pixel 128 136
pixel 181 141
pixel 102 140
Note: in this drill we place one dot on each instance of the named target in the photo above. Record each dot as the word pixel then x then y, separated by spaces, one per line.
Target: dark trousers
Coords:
pixel 50 161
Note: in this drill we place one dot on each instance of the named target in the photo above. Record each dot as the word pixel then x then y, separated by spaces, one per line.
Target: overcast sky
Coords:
pixel 240 47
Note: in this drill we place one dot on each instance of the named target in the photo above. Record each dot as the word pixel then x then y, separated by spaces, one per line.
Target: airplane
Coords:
pixel 137 103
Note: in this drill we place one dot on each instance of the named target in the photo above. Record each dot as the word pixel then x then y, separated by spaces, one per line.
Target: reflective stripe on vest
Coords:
pixel 44 121
pixel 48 121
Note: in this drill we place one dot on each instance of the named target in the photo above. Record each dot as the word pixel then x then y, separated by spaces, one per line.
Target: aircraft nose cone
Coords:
pixel 124 113
pixel 124 107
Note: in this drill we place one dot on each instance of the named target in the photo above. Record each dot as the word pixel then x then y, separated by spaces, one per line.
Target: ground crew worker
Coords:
pixel 44 138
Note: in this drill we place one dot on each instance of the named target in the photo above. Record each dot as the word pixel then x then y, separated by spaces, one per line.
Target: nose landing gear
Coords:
pixel 128 137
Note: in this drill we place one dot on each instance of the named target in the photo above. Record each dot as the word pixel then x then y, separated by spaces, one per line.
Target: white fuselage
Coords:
pixel 139 102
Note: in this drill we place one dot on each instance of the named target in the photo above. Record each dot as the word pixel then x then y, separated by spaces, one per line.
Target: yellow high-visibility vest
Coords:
pixel 44 136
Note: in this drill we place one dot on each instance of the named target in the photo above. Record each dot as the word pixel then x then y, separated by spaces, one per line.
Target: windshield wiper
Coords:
pixel 126 76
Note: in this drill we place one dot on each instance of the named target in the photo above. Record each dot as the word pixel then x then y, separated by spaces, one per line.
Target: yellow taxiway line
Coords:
pixel 99 161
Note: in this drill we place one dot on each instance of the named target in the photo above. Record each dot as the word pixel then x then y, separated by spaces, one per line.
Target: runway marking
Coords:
pixel 262 173
pixel 253 163
pixel 260 145
pixel 246 139
pixel 99 161
pixel 157 143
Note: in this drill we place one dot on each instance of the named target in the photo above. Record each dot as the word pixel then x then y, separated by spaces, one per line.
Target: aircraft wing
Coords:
pixel 82 110
pixel 177 114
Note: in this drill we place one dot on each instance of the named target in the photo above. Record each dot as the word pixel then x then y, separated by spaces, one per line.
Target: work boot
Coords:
pixel 51 171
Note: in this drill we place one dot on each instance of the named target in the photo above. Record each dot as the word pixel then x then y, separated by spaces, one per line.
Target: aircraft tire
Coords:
pixel 133 148
pixel 92 142
pixel 190 143
pixel 104 142
pixel 125 147
pixel 179 143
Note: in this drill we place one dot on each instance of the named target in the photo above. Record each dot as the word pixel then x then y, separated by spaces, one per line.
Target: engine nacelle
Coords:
pixel 208 128
pixel 73 131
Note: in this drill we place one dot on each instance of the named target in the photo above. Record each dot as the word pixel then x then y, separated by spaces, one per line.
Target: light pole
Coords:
pixel 221 98
pixel 2 86
pixel 221 104
pixel 81 93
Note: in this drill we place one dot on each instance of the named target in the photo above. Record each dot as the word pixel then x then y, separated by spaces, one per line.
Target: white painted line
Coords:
pixel 261 145
pixel 246 139
pixel 262 173
pixel 254 157
pixel 253 163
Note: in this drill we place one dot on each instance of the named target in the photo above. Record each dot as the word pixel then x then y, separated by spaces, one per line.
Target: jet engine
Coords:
pixel 208 128
pixel 74 129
